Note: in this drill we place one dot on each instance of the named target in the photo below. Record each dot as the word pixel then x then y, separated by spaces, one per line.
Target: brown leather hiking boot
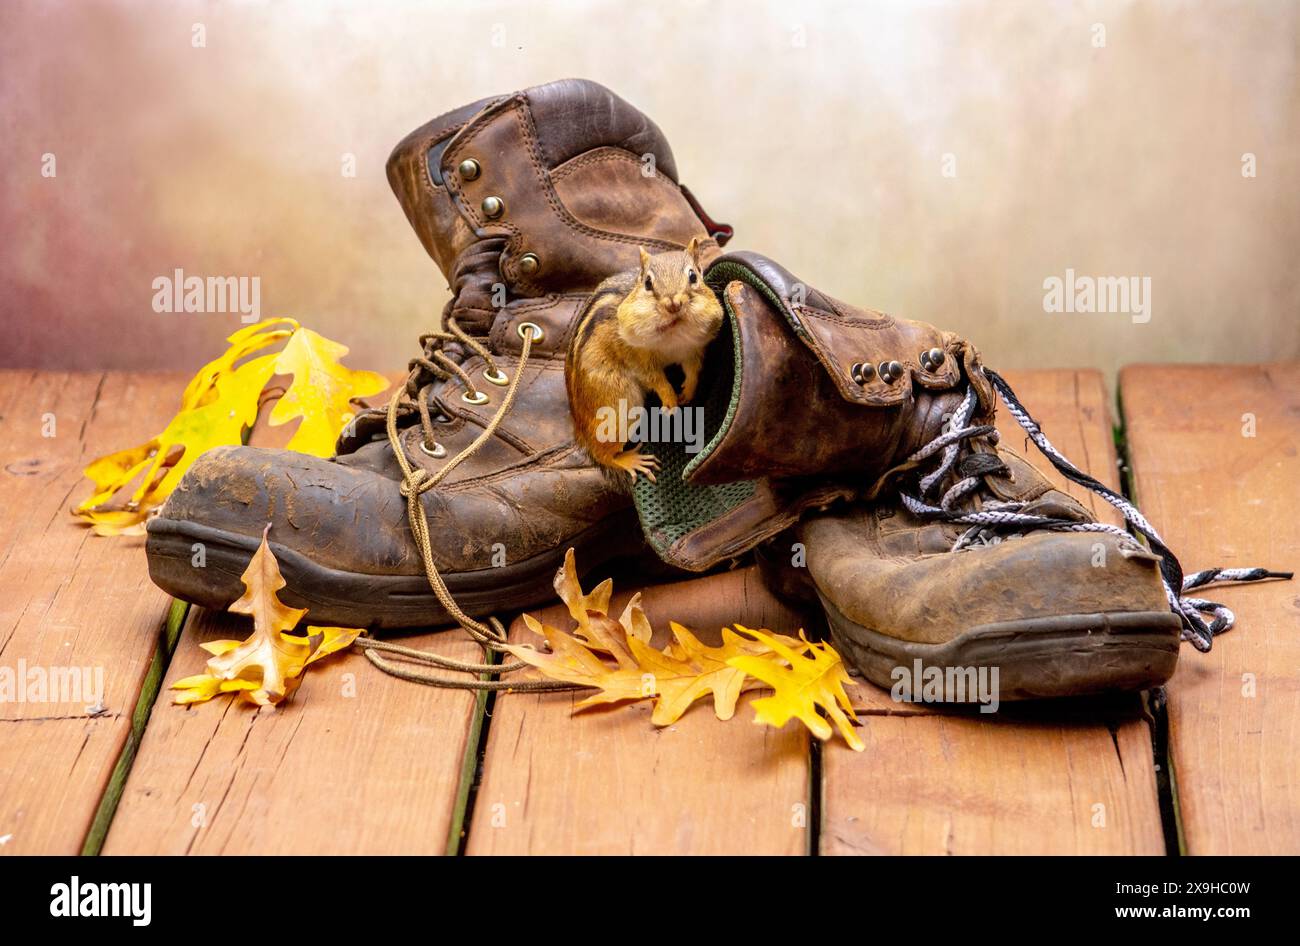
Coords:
pixel 1050 613
pixel 526 202
pixel 965 568
pixel 924 540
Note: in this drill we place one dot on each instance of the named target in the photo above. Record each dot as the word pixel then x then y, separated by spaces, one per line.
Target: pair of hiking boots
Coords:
pixel 855 451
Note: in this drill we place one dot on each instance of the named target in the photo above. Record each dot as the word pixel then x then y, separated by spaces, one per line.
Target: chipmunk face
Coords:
pixel 670 305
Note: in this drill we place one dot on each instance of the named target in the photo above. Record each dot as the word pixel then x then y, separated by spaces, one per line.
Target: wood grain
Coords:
pixel 1026 780
pixel 1220 496
pixel 357 762
pixel 68 598
pixel 606 781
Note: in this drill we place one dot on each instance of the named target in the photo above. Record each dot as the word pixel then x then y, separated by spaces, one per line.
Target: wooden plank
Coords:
pixel 605 781
pixel 1029 779
pixel 356 762
pixel 1215 452
pixel 69 599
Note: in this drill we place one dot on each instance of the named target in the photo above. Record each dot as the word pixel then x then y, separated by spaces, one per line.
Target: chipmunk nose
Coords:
pixel 673 306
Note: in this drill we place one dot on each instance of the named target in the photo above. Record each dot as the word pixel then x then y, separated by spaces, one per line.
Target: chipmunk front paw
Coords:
pixel 634 462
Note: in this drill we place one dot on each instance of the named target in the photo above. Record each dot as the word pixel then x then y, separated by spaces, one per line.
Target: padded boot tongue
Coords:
pixel 1022 482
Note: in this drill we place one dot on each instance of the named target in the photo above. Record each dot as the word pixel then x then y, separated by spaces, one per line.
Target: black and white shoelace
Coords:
pixel 994 515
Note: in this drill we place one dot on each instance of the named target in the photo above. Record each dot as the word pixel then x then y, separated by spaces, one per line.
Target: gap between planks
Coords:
pixel 1213 452
pixel 1066 777
pixel 69 598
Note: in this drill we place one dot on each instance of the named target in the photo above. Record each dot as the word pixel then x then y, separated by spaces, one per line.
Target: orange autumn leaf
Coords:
pixel 676 677
pixel 266 668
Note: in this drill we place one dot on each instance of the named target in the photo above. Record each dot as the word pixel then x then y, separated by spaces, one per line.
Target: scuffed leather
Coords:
pixel 840 334
pixel 792 419
pixel 571 113
pixel 892 573
pixel 575 253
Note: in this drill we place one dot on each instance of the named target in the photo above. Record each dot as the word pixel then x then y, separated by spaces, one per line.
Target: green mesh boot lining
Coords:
pixel 671 507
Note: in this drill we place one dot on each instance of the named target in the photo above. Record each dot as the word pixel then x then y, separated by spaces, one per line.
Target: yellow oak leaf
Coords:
pixel 247 340
pixel 676 677
pixel 691 670
pixel 266 668
pixel 814 678
pixel 202 687
pixel 634 621
pixel 217 407
pixel 321 393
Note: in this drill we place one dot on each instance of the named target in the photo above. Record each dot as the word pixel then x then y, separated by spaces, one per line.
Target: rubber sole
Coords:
pixel 1035 658
pixel 351 599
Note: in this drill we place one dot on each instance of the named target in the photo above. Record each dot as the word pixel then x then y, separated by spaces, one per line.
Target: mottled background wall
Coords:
pixel 819 130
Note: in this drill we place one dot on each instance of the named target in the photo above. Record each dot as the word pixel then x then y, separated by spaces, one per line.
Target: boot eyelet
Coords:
pixel 533 329
pixel 478 397
pixel 493 207
pixel 469 169
pixel 932 359
pixel 499 378
pixel 438 451
pixel 890 372
pixel 529 264
pixel 862 371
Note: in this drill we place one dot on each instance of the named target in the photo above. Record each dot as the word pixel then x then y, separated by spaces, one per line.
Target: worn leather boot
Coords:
pixel 526 202
pixel 1045 611
pixel 870 441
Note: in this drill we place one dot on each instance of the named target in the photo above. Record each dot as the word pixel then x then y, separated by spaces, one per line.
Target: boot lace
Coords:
pixel 441 358
pixel 964 470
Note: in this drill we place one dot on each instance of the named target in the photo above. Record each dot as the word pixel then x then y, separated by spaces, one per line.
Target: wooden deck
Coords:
pixel 359 762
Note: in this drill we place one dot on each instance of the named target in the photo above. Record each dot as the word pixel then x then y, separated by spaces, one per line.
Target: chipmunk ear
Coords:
pixel 645 260
pixel 693 250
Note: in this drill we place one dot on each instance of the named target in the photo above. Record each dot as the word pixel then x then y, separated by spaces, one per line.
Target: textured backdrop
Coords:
pixel 939 161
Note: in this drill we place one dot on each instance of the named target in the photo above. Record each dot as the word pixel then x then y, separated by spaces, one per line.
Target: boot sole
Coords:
pixel 1036 658
pixel 351 599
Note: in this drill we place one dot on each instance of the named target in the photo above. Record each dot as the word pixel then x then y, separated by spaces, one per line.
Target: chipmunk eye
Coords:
pixel 649 286
pixel 692 277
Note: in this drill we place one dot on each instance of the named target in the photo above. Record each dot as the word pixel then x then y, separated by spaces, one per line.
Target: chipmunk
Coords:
pixel 637 323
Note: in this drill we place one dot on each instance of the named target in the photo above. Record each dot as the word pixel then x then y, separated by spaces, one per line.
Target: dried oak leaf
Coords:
pixel 814 678
pixel 266 668
pixel 675 678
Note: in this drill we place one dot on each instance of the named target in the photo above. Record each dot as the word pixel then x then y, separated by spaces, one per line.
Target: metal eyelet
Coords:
pixel 862 371
pixel 438 451
pixel 890 372
pixel 500 378
pixel 532 328
pixel 478 397
pixel 932 359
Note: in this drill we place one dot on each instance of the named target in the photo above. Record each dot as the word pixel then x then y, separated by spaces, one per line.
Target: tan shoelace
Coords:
pixel 490 635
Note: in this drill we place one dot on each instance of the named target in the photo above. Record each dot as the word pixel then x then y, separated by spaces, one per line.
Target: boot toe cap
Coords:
pixel 932 599
pixel 311 504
